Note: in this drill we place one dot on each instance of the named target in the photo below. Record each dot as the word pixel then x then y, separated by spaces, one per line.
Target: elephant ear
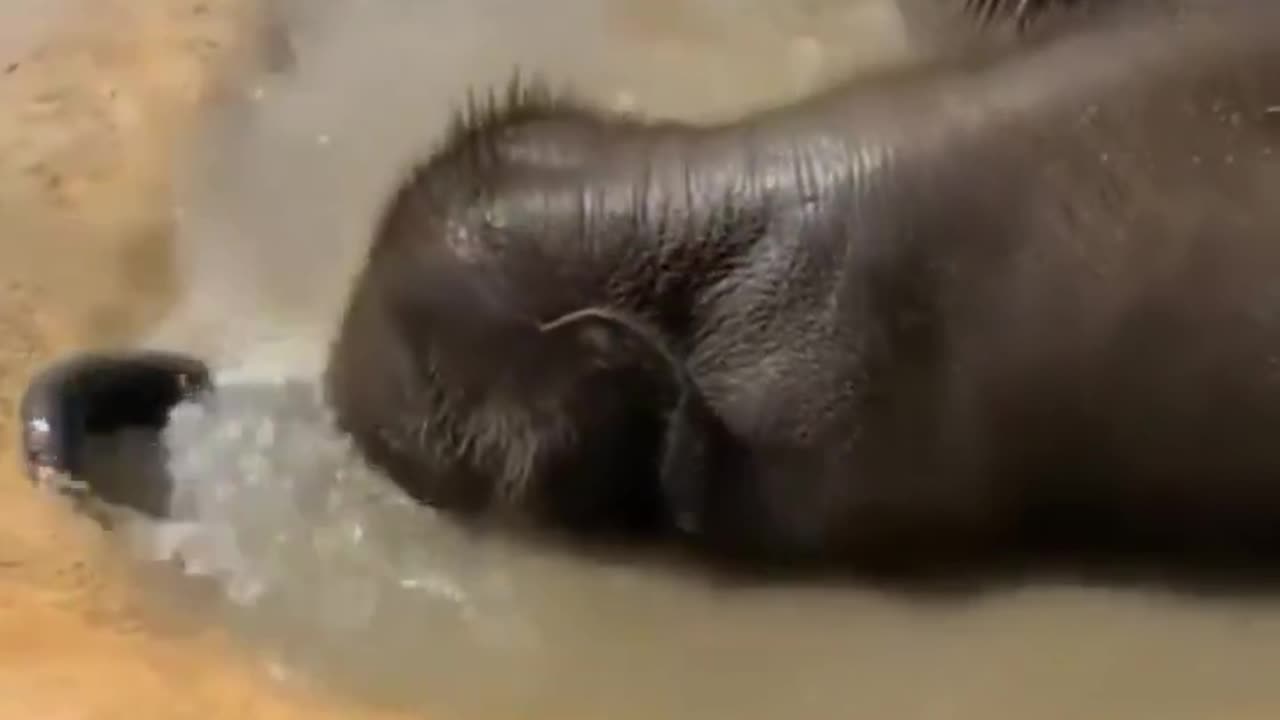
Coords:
pixel 697 447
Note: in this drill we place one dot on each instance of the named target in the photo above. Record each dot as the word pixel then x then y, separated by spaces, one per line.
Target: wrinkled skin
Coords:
pixel 1016 292
pixel 1024 293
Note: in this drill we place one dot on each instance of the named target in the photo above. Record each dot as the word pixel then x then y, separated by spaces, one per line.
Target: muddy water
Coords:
pixel 318 569
pixel 94 96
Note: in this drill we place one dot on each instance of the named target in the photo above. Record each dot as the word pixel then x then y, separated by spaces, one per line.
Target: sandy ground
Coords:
pixel 93 107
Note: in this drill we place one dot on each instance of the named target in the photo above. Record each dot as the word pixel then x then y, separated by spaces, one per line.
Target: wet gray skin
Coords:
pixel 852 381
pixel 1018 295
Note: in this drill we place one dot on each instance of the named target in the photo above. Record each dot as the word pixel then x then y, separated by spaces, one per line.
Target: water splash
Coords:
pixel 273 503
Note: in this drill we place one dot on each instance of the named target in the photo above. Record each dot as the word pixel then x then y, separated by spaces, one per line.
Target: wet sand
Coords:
pixel 106 104
pixel 96 97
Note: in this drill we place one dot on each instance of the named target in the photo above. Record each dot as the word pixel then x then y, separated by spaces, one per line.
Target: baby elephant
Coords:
pixel 1016 293
pixel 1027 292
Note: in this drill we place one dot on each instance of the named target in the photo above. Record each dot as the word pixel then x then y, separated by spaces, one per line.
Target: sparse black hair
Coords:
pixel 1021 12
pixel 475 130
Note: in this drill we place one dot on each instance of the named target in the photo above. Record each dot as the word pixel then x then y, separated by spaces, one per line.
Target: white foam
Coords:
pixel 270 499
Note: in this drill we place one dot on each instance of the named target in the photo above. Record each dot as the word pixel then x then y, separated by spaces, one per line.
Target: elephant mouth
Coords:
pixel 81 414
